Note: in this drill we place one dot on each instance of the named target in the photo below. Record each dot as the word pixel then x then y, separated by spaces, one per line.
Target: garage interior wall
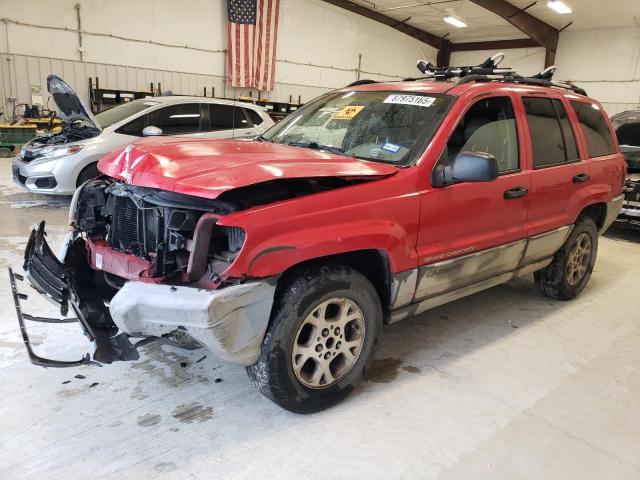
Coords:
pixel 182 45
pixel 605 62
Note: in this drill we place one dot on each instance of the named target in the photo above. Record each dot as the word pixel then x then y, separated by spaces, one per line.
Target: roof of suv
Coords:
pixel 452 88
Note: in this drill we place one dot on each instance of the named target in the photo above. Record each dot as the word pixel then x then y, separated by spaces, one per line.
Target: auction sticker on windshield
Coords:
pixel 348 112
pixel 419 100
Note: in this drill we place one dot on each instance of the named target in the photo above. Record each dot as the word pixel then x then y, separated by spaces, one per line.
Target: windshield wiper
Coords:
pixel 262 138
pixel 318 146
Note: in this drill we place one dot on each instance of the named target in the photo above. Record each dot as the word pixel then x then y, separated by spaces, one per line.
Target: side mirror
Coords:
pixel 466 167
pixel 151 131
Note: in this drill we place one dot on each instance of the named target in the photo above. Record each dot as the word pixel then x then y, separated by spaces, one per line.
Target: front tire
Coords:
pixel 87 173
pixel 324 326
pixel 572 265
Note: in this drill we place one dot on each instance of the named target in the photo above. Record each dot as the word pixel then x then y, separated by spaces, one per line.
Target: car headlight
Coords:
pixel 60 151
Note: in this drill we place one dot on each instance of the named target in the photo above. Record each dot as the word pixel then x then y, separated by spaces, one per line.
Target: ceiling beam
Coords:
pixel 495 45
pixel 543 33
pixel 425 37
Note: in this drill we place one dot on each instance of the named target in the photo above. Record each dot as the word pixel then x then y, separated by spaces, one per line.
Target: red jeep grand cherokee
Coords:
pixel 372 203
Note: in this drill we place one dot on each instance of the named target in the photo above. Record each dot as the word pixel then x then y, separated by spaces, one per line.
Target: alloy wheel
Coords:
pixel 579 258
pixel 328 343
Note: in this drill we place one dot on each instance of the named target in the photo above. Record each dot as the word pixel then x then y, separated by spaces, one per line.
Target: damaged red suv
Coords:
pixel 286 254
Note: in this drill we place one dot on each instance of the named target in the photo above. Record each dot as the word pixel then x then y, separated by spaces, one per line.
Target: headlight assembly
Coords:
pixel 59 151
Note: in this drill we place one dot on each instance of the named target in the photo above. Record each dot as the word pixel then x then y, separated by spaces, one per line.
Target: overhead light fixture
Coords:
pixel 559 6
pixel 455 21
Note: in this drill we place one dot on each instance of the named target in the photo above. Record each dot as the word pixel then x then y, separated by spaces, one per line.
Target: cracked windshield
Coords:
pixel 388 127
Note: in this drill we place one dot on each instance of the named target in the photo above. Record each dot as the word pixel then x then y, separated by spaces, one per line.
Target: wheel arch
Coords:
pixel 373 264
pixel 597 212
pixel 86 167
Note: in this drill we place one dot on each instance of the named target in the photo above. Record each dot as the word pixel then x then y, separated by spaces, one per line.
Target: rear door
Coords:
pixel 228 121
pixel 560 175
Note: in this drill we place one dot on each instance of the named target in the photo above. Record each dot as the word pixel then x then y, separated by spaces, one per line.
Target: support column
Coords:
pixel 549 57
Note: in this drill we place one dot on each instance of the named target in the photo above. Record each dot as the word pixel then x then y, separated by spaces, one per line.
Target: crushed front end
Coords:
pixel 148 263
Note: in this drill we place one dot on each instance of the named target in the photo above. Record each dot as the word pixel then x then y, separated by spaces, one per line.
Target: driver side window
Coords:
pixel 489 126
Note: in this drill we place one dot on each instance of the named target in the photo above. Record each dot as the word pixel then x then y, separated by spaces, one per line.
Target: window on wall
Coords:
pixel 595 129
pixel 177 119
pixel 489 126
pixel 552 138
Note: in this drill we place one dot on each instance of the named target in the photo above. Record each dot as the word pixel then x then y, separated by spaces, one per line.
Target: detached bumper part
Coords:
pixel 231 321
pixel 48 277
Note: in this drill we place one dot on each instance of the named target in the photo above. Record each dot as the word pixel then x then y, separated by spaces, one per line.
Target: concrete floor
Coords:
pixel 504 384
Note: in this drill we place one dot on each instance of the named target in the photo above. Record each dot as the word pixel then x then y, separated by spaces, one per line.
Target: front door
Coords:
pixel 472 231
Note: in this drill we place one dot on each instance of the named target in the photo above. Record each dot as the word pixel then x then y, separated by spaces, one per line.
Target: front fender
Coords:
pixel 284 251
pixel 384 217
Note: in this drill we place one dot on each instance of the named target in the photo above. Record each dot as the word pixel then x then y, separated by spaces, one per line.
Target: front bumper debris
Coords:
pixel 49 278
pixel 57 282
pixel 36 359
pixel 231 321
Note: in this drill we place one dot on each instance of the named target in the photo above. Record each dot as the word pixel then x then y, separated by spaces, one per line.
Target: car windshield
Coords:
pixel 120 112
pixel 388 127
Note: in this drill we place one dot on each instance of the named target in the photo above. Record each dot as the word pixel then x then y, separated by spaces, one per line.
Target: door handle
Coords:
pixel 516 192
pixel 580 178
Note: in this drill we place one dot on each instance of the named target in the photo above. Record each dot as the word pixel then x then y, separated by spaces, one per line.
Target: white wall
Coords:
pixel 311 32
pixel 525 61
pixel 604 62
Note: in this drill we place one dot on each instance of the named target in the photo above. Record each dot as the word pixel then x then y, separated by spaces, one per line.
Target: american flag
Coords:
pixel 253 34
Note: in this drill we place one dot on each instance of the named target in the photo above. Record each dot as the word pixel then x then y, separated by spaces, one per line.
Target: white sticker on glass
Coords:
pixel 419 100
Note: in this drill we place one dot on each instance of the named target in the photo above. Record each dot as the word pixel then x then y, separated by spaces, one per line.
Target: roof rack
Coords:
pixel 488 71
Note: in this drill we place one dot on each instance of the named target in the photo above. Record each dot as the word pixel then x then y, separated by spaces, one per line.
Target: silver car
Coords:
pixel 57 164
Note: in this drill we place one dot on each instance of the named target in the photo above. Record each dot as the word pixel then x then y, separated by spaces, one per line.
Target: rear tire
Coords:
pixel 323 329
pixel 88 173
pixel 572 265
pixel 5 152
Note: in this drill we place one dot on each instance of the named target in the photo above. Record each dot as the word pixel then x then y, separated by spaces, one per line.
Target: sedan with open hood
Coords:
pixel 57 164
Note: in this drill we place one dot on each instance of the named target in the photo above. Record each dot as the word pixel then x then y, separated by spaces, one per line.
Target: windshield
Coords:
pixel 120 112
pixel 388 127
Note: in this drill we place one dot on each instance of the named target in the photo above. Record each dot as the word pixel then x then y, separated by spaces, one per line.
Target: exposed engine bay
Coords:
pixel 158 226
pixel 71 133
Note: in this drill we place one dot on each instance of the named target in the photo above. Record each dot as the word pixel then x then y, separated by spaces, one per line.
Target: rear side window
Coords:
pixel 227 117
pixel 254 116
pixel 552 137
pixel 595 129
pixel 177 119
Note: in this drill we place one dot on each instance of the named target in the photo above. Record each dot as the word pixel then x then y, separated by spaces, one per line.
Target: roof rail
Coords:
pixel 540 82
pixel 488 71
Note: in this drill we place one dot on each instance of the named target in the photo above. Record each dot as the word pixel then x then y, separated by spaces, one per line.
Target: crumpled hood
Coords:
pixel 207 168
pixel 69 104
